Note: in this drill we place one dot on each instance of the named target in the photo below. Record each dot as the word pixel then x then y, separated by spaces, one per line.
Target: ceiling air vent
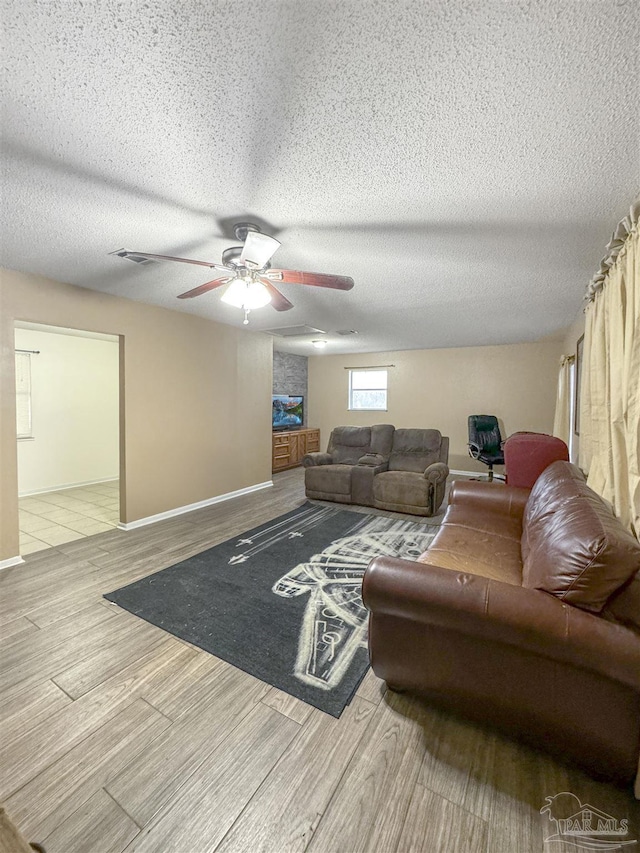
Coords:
pixel 122 253
pixel 293 331
pixel 346 332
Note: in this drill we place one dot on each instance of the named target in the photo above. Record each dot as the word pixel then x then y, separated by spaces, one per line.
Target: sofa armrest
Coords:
pixel 528 619
pixel 496 497
pixel 311 459
pixel 437 472
pixel 374 460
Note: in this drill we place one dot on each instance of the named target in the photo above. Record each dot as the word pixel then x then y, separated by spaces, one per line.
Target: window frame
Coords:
pixel 354 370
pixel 26 392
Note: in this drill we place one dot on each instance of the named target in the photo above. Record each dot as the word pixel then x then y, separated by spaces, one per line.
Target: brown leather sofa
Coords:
pixel 403 470
pixel 525 613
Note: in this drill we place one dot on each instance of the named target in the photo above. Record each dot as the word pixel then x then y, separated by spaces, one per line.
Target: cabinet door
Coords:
pixel 295 443
pixel 313 441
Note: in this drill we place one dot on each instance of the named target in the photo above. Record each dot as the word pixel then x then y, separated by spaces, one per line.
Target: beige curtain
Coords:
pixel 562 425
pixel 610 387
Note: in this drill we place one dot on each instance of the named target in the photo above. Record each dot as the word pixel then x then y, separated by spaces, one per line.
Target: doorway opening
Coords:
pixel 68 423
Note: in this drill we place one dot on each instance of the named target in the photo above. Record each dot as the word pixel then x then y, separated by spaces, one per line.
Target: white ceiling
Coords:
pixel 464 162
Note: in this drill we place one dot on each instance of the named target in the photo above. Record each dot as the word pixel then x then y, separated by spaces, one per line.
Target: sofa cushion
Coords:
pixel 415 449
pixel 581 554
pixel 347 444
pixel 624 605
pixel 558 483
pixel 484 521
pixel 401 487
pixel 463 549
pixel 328 479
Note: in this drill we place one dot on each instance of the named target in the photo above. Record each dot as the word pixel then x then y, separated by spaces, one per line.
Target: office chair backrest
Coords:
pixel 484 432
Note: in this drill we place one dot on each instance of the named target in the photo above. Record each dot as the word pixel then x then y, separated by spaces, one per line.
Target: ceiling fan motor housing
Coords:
pixel 241 229
pixel 231 257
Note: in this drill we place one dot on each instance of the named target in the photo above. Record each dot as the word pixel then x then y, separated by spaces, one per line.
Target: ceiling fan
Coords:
pixel 247 272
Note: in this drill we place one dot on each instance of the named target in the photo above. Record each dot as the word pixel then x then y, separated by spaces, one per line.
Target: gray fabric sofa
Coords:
pixel 345 472
pixel 417 473
pixel 403 470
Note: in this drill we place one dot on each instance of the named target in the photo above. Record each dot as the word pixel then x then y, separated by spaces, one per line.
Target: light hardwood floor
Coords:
pixel 119 737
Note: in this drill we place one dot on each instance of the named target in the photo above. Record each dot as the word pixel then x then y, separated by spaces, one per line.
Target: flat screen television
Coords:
pixel 287 411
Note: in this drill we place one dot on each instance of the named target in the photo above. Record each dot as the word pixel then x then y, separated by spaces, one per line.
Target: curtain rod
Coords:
pixel 369 366
pixel 34 351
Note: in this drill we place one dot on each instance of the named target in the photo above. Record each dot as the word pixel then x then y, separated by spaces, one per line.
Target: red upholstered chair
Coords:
pixel 527 454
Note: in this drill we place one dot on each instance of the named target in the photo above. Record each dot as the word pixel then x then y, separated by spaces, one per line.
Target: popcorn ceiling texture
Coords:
pixel 465 162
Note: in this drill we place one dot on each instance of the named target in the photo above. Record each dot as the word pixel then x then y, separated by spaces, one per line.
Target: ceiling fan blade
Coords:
pixel 124 253
pixel 258 249
pixel 204 288
pixel 278 300
pixel 317 279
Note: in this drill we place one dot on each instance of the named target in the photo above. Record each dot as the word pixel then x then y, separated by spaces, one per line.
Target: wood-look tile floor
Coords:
pixel 116 736
pixel 54 518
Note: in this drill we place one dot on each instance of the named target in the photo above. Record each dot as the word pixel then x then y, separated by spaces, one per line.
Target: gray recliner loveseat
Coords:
pixel 403 470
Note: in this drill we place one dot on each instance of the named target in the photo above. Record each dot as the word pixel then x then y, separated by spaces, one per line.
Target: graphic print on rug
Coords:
pixel 334 625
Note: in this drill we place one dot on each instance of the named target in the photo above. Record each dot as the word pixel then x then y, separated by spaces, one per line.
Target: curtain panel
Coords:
pixel 562 425
pixel 610 388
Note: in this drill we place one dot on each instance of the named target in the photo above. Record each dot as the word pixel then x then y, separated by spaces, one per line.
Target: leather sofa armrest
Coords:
pixel 528 619
pixel 494 497
pixel 374 460
pixel 311 459
pixel 437 472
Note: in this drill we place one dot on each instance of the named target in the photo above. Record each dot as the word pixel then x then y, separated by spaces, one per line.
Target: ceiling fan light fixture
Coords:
pixel 319 344
pixel 246 294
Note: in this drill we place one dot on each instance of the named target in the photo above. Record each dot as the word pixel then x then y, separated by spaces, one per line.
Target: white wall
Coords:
pixel 75 417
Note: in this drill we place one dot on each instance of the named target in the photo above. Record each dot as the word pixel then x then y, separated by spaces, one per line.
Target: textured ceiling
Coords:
pixel 464 162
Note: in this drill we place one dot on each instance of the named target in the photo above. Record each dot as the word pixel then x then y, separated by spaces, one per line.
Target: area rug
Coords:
pixel 283 601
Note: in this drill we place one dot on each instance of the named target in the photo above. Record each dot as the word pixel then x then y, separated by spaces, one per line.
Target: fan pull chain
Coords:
pixel 245 322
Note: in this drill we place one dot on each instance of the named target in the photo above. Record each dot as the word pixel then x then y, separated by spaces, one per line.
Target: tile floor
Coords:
pixel 53 518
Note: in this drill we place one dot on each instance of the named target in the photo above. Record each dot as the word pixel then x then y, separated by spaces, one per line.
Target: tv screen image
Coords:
pixel 287 411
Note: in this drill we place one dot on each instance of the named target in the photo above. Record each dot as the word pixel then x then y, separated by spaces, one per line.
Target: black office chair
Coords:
pixel 485 441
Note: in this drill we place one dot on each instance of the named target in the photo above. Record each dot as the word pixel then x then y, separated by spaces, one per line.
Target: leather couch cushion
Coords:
pixel 415 449
pixel 464 549
pixel 328 479
pixel 485 521
pixel 581 554
pixel 624 605
pixel 558 483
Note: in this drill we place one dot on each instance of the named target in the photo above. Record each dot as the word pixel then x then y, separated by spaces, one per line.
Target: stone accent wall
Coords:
pixel 290 376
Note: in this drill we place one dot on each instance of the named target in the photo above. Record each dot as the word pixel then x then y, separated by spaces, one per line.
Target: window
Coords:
pixel 368 390
pixel 23 395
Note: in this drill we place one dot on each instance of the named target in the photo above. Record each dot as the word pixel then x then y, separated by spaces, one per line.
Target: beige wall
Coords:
pixel 440 388
pixel 195 416
pixel 75 411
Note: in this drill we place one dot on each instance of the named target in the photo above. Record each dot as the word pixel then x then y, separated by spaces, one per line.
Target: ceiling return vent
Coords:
pixel 293 331
pixel 137 259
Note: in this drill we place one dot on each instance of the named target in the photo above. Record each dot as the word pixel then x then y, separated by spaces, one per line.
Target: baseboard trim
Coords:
pixel 467 473
pixel 181 510
pixel 12 561
pixel 66 486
